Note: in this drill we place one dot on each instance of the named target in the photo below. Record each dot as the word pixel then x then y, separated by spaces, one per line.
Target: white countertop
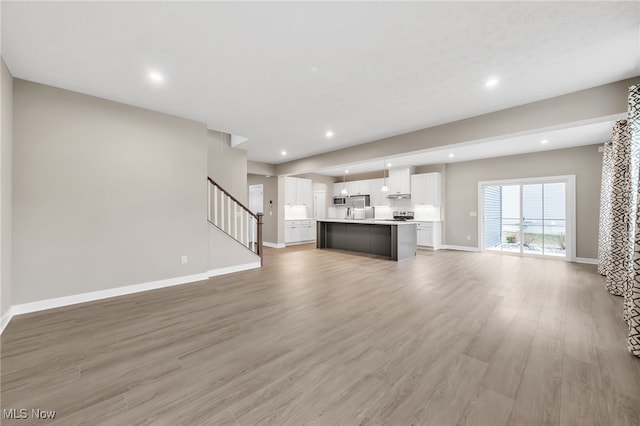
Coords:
pixel 368 221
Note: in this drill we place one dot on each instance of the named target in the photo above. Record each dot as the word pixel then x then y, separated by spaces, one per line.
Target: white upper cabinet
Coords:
pixel 305 192
pixel 298 192
pixel 434 189
pixel 418 190
pixel 400 181
pixel 358 187
pixel 425 189
pixel 290 191
pixel 352 188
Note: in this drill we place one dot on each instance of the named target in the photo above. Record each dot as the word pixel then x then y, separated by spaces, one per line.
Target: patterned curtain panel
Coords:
pixel 604 236
pixel 618 272
pixel 632 290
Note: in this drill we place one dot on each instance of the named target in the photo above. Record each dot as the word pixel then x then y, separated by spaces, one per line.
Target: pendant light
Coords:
pixel 384 188
pixel 344 185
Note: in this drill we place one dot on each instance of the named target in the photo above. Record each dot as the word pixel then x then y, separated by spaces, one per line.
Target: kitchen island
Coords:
pixel 393 239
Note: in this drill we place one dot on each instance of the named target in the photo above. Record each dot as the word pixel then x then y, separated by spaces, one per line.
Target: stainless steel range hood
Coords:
pixel 397 196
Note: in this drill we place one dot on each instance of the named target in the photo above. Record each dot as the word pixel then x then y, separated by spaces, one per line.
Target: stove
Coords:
pixel 403 215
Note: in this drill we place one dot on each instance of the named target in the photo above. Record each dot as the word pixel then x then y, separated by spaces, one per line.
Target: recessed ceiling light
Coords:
pixel 452 155
pixel 346 171
pixel 156 77
pixel 389 164
pixel 283 153
pixel 492 82
pixel 543 141
pixel 329 134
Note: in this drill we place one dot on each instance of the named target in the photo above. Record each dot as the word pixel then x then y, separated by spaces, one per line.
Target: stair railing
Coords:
pixel 234 218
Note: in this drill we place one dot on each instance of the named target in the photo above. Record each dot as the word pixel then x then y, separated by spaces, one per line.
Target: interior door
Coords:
pixel 319 204
pixel 255 199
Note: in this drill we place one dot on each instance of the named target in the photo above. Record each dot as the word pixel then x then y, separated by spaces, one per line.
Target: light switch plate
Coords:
pixel 473 214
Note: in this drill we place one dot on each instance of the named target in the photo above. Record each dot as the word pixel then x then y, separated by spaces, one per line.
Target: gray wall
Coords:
pixel 105 195
pixel 462 190
pixel 271 217
pixel 227 165
pixel 6 147
pixel 258 168
pixel 363 176
pixel 233 254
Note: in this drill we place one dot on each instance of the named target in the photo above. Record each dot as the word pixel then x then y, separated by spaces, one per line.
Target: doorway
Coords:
pixel 534 217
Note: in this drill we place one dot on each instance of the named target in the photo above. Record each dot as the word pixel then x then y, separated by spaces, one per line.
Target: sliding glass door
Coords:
pixel 527 217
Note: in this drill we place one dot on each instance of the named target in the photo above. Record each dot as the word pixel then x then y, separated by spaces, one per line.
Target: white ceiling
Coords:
pixel 281 74
pixel 474 150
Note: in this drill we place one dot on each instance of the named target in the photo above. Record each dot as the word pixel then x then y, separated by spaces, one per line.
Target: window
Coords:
pixel 528 216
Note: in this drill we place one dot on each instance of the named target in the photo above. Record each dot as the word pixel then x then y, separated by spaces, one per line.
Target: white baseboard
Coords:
pixel 461 248
pixel 297 243
pixel 273 245
pixel 4 321
pixel 59 302
pixel 231 269
pixel 586 260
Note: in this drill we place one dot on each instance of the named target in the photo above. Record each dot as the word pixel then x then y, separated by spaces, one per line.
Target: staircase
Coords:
pixel 234 218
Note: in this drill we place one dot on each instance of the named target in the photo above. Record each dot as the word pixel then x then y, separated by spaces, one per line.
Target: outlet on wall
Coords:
pixel 468 237
pixel 184 259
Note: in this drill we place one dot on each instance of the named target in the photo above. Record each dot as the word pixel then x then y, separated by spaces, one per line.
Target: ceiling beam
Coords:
pixel 258 168
pixel 597 104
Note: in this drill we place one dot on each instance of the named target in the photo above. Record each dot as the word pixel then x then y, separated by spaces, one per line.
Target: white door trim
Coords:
pixel 570 199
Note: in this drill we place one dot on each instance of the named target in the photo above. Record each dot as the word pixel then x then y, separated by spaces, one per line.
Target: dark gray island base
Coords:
pixel 395 240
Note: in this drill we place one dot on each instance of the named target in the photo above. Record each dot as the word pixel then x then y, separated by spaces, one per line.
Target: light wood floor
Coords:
pixel 326 338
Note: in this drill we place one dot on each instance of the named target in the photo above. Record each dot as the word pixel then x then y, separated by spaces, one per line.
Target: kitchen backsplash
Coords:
pixel 427 213
pixel 295 212
pixel 400 203
pixel 383 212
pixel 336 212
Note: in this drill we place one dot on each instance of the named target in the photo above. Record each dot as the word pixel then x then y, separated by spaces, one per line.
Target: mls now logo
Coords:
pixel 14 413
pixel 23 413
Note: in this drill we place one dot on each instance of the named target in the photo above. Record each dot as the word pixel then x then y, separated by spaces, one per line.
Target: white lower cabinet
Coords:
pixel 292 233
pixel 298 231
pixel 309 232
pixel 429 234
